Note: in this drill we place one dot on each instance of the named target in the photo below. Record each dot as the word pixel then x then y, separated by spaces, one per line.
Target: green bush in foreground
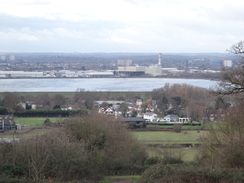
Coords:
pixel 86 148
pixel 190 173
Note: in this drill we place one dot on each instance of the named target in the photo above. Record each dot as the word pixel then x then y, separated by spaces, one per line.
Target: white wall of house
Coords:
pixel 151 117
pixel 171 118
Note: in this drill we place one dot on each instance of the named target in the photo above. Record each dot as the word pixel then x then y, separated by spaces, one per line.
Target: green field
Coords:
pixel 186 154
pixel 29 121
pixel 131 178
pixel 162 137
pixel 183 127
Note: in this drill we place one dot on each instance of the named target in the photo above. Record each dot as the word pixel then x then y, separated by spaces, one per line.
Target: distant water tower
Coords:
pixel 160 59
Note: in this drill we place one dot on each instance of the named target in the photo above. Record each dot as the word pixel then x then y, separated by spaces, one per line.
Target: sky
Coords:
pixel 86 26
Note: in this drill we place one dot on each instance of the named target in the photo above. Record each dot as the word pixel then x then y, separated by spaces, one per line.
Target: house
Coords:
pixel 139 102
pixel 106 110
pixel 150 117
pixel 184 120
pixel 150 108
pixel 171 118
pixel 134 122
pixel 134 119
pixel 6 123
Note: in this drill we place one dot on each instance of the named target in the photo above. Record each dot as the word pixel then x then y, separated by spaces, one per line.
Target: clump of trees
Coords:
pixel 232 79
pixel 184 100
pixel 85 148
pixel 223 146
pixel 221 153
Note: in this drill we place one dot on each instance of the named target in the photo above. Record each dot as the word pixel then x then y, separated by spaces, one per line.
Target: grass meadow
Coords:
pixel 149 138
pixel 153 140
pixel 34 121
pixel 165 137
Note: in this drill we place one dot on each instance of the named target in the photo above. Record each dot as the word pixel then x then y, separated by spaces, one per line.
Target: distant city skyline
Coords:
pixel 156 26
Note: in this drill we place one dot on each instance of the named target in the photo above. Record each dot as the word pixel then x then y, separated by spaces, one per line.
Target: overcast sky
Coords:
pixel 167 26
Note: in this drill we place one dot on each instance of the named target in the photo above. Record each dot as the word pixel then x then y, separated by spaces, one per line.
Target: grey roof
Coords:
pixel 172 116
pixel 131 119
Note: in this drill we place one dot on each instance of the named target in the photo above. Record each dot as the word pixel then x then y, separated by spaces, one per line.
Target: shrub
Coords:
pixel 223 146
pixel 177 127
pixel 152 160
pixel 188 173
pixel 84 149
pixel 113 147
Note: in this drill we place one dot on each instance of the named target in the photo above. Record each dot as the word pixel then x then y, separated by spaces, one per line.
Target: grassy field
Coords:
pixel 183 127
pixel 167 138
pixel 154 137
pixel 129 178
pixel 34 121
pixel 186 154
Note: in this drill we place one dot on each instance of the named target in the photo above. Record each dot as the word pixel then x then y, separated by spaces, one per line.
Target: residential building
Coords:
pixel 171 118
pixel 6 122
pixel 150 117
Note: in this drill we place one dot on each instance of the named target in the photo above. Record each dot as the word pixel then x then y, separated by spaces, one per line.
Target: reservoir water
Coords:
pixel 95 84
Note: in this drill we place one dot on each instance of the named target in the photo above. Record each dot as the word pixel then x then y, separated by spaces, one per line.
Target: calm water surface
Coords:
pixel 95 84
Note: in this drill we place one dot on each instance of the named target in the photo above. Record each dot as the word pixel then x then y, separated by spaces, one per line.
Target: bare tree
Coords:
pixel 10 101
pixel 233 79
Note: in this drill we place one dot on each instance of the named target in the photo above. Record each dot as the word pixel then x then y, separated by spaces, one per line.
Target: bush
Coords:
pixel 177 127
pixel 223 146
pixel 3 111
pixel 11 170
pixel 85 149
pixel 188 173
pixel 152 160
pixel 112 145
pixel 50 113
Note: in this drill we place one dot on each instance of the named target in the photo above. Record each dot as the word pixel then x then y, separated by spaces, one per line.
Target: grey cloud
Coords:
pixel 36 23
pixel 34 2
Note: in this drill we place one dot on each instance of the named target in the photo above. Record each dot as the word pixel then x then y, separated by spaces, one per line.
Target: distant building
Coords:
pixel 155 70
pixel 150 117
pixel 160 59
pixel 171 118
pixel 131 70
pixel 124 62
pixel 139 102
pixel 227 63
pixel 11 58
pixel 3 58
pixel 102 74
pixel 20 74
pixel 6 122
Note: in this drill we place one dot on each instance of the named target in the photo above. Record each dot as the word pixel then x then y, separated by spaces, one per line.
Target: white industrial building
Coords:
pixel 19 74
pixel 131 70
pixel 155 70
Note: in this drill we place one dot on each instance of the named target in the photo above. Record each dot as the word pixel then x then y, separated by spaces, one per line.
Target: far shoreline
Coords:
pixel 146 77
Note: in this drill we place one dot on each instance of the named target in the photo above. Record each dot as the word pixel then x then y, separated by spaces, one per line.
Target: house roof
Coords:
pixel 133 119
pixel 150 114
pixel 172 116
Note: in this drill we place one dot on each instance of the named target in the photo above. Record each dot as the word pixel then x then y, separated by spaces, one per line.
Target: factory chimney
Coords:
pixel 160 59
